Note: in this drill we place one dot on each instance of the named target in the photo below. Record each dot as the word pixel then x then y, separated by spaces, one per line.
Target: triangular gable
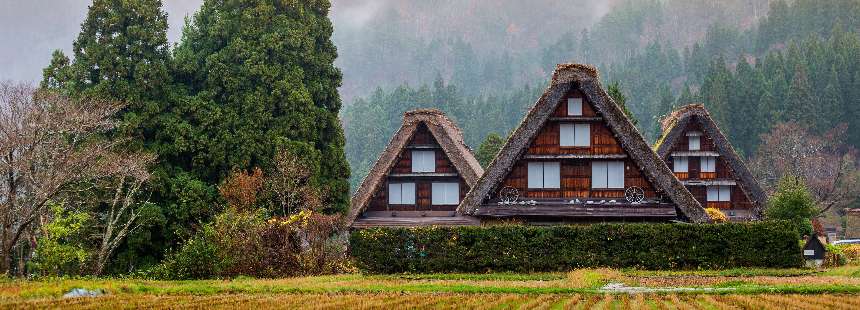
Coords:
pixel 584 78
pixel 673 127
pixel 447 135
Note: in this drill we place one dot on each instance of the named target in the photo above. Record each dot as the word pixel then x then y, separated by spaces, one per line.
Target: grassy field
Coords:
pixel 586 288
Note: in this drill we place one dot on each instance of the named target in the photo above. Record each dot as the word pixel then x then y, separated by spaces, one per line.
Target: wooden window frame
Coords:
pixel 607 163
pixel 581 106
pixel 543 176
pixel 573 128
pixel 400 184
pixel 415 158
pixel 433 193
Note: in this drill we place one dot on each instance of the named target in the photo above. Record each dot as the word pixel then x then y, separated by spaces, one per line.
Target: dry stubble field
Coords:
pixel 582 289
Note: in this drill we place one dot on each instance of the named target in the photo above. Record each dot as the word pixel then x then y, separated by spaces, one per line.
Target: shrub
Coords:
pixel 852 253
pixel 531 248
pixel 834 256
pixel 246 244
pixel 62 250
pixel 716 215
pixel 792 202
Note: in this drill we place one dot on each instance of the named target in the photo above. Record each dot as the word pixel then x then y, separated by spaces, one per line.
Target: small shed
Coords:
pixel 814 250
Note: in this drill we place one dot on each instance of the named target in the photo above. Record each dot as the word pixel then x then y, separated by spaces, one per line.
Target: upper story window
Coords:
pixel 446 193
pixel 681 164
pixel 423 161
pixel 695 140
pixel 401 193
pixel 574 106
pixel 544 175
pixel 575 135
pixel 607 174
pixel 719 193
pixel 709 164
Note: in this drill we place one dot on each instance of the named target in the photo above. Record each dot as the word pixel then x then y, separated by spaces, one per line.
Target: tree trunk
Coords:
pixel 7 259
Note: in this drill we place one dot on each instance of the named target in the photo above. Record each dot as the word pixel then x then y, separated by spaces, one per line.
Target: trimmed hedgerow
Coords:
pixel 558 248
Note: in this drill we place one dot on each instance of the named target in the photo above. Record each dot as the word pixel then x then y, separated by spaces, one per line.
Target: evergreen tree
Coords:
pixel 122 53
pixel 489 148
pixel 792 202
pixel 58 73
pixel 617 94
pixel 744 101
pixel 801 105
pixel 716 89
pixel 262 77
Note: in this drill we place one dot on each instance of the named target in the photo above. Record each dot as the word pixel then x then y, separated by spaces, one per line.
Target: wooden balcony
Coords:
pixel 558 208
pixel 707 175
pixel 719 204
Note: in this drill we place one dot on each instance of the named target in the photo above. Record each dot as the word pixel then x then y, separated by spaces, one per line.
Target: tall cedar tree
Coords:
pixel 261 77
pixel 122 53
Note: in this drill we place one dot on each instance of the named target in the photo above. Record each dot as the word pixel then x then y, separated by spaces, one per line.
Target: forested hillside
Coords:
pixel 753 63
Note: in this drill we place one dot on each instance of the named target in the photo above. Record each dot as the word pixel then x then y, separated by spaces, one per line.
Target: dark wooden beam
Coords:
pixel 576 118
pixel 576 156
pixel 423 174
pixel 423 146
pixel 577 211
pixel 366 222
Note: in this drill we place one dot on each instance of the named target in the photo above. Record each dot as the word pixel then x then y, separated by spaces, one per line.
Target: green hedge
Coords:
pixel 558 248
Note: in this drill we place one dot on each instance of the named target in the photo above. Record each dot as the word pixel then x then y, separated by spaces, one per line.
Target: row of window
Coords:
pixel 443 193
pixel 707 164
pixel 449 193
pixel 604 175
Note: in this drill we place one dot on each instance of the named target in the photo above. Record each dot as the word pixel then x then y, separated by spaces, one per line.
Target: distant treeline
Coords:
pixel 799 63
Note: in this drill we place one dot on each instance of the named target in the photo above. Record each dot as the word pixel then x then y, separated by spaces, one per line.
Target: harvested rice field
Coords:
pixel 581 289
pixel 446 301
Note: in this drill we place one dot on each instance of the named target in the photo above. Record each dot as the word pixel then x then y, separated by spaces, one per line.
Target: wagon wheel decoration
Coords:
pixel 509 194
pixel 634 194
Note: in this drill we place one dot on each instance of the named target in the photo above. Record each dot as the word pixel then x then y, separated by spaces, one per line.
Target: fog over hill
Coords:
pixel 389 42
pixel 376 38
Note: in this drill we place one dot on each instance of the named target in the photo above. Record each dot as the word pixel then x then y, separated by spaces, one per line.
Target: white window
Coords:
pixel 544 175
pixel 423 161
pixel 607 174
pixel 446 193
pixel 709 164
pixel 401 193
pixel 695 143
pixel 574 106
pixel 682 164
pixel 719 193
pixel 575 134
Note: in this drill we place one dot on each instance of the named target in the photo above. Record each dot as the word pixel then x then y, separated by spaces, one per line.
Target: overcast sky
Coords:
pixel 30 30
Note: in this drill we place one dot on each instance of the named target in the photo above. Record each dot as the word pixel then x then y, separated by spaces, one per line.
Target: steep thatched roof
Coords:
pixel 585 78
pixel 673 126
pixel 446 133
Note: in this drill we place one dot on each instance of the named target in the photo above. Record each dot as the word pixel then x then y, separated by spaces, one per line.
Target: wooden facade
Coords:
pixel 402 172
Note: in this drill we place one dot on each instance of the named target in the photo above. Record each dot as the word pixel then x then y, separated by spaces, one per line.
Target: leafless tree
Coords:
pixel 128 173
pixel 48 143
pixel 825 163
pixel 289 182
